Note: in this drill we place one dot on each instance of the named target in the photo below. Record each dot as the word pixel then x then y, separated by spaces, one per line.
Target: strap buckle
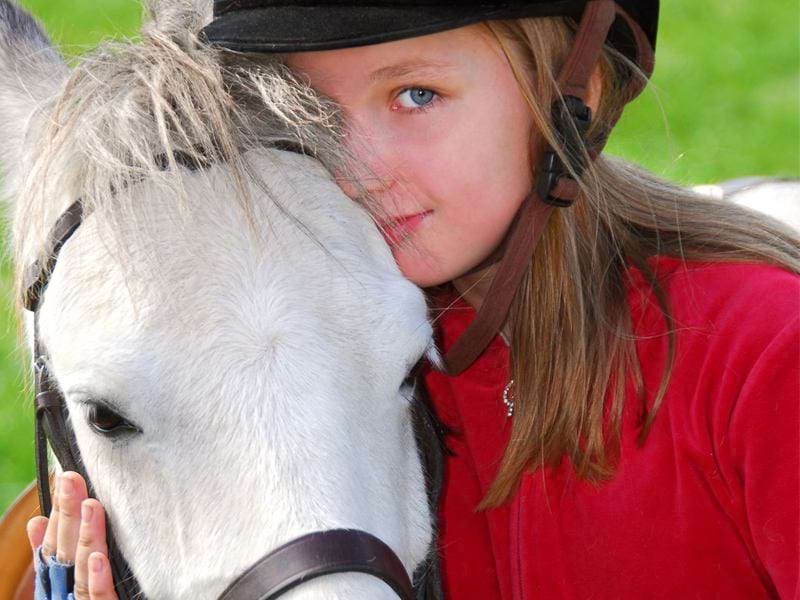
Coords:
pixel 40 375
pixel 572 120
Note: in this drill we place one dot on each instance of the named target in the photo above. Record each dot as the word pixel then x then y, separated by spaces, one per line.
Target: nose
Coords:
pixel 369 166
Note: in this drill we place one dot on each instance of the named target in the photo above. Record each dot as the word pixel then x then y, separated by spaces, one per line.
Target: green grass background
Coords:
pixel 724 103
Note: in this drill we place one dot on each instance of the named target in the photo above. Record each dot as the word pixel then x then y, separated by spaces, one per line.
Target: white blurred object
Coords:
pixel 778 198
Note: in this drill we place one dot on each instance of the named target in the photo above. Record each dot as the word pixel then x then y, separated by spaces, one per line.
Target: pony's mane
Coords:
pixel 130 108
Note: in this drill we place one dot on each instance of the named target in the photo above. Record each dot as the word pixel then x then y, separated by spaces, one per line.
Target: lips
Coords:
pixel 397 229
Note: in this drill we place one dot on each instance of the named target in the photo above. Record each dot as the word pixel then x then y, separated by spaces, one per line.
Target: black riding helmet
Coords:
pixel 306 25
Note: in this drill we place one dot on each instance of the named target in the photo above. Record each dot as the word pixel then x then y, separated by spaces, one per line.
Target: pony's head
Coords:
pixel 231 340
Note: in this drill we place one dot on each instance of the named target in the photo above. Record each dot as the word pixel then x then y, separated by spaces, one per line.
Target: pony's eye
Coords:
pixel 106 422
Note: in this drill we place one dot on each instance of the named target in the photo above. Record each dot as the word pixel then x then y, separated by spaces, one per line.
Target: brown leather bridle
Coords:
pixel 555 186
pixel 338 551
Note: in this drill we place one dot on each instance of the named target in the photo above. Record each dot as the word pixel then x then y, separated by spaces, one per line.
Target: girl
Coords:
pixel 622 403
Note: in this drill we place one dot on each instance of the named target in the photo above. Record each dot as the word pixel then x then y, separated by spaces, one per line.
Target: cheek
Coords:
pixel 475 176
pixel 478 154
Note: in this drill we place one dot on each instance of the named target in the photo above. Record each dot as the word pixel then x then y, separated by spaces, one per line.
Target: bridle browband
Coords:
pixel 339 551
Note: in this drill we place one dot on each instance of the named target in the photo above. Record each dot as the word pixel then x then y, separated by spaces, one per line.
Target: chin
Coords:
pixel 422 273
pixel 426 268
pixel 418 273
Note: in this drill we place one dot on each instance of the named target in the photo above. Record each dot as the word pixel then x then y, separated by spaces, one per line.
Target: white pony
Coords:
pixel 247 318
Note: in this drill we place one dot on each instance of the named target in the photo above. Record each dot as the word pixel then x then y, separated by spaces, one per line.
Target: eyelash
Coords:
pixel 421 109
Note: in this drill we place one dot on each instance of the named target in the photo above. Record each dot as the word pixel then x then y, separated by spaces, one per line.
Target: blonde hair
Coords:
pixel 570 322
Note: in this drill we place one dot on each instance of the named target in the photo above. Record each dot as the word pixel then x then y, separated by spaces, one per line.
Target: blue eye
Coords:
pixel 418 97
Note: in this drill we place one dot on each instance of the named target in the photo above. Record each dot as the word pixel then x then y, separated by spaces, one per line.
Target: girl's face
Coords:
pixel 441 126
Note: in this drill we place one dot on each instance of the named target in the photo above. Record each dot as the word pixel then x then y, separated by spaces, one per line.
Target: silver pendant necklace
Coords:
pixel 507 400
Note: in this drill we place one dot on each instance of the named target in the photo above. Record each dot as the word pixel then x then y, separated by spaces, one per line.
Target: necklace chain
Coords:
pixel 508 400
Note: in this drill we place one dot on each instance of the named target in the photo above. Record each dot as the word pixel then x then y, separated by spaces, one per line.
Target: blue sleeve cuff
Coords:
pixel 54 580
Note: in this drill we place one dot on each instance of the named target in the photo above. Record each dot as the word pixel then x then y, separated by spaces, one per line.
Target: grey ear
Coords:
pixel 31 72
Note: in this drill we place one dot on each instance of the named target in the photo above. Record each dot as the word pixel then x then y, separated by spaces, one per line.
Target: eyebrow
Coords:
pixel 407 68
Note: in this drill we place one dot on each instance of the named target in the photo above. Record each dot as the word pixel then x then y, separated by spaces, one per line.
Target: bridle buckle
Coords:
pixel 571 119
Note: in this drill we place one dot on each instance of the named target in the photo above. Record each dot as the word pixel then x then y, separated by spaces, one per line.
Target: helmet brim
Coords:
pixel 283 29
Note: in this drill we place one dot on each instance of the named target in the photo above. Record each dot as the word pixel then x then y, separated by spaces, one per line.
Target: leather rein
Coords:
pixel 339 551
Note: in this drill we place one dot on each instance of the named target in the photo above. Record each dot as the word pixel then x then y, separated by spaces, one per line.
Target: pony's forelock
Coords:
pixel 132 111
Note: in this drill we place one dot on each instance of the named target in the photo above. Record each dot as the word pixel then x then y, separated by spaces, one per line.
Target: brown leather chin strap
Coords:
pixel 559 190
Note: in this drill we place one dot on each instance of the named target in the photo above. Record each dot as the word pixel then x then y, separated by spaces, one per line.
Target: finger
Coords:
pixel 36 528
pixel 50 542
pixel 92 539
pixel 101 585
pixel 71 492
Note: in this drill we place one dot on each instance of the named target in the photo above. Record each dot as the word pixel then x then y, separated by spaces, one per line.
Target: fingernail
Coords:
pixel 96 563
pixel 86 512
pixel 65 486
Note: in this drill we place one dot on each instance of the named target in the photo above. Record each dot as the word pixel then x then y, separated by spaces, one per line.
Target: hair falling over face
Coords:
pixel 572 341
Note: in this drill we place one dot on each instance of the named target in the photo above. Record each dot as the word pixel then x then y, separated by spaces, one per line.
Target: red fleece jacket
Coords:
pixel 707 508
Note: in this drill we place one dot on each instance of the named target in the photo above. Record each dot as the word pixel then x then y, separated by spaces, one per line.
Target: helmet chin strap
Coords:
pixel 554 187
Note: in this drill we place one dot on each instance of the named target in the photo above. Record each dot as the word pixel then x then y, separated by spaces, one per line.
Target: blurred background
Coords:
pixel 724 103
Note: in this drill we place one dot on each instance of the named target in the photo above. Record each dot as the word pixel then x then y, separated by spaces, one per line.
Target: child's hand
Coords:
pixel 75 534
